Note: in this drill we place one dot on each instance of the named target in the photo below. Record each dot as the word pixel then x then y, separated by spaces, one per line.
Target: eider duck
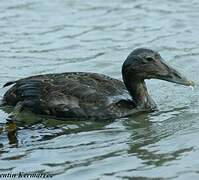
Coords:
pixel 82 95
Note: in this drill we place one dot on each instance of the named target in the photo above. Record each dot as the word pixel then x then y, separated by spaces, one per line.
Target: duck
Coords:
pixel 85 95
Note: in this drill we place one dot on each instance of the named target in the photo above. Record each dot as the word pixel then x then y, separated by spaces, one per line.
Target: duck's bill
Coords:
pixel 174 76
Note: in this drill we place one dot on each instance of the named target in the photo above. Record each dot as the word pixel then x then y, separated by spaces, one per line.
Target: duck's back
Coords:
pixel 71 95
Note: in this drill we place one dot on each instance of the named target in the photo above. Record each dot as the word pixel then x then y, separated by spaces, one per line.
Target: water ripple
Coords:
pixel 58 36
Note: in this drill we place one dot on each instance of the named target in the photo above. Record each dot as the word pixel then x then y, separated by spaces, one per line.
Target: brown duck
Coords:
pixel 81 95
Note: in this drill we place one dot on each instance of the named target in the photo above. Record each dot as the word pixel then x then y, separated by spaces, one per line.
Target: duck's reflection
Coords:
pixel 11 129
pixel 146 136
pixel 43 128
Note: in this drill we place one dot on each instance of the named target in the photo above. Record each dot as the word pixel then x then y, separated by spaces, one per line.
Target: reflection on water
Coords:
pixel 56 36
pixel 134 147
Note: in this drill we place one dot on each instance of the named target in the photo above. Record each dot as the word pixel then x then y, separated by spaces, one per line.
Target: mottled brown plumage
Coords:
pixel 79 95
pixel 72 95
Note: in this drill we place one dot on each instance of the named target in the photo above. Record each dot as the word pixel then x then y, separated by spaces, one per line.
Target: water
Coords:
pixel 40 37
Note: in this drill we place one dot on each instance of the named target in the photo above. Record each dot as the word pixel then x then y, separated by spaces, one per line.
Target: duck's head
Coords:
pixel 147 64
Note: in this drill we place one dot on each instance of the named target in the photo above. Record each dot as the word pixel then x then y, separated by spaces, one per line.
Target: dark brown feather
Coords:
pixel 71 95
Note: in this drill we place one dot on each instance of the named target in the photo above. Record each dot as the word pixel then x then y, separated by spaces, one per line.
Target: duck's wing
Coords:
pixel 67 94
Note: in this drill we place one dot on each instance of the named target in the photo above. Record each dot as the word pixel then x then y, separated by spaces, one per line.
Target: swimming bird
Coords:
pixel 82 95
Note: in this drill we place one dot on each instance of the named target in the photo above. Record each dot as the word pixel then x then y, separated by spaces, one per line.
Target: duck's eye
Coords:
pixel 149 58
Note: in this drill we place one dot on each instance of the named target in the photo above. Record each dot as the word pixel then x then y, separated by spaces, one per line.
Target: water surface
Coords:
pixel 39 37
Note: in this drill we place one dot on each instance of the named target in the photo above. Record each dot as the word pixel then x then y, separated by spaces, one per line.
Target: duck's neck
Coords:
pixel 138 90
